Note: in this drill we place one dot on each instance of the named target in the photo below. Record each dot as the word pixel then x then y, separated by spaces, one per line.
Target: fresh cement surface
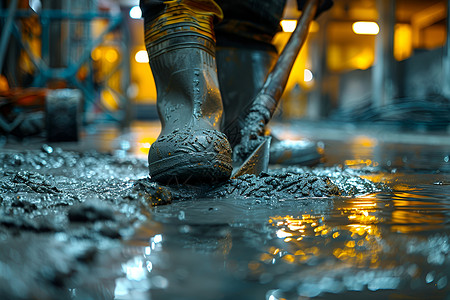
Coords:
pixel 371 222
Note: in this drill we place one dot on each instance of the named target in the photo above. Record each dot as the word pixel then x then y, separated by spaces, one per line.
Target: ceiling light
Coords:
pixel 370 28
pixel 135 12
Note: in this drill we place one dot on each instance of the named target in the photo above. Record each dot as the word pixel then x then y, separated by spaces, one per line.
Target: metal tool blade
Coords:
pixel 257 162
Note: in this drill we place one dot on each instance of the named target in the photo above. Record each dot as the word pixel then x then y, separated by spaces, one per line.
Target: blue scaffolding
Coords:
pixel 68 18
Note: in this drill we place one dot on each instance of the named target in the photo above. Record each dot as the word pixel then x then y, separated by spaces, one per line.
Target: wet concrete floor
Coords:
pixel 82 224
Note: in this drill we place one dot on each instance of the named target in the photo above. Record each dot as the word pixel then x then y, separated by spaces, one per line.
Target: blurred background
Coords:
pixel 70 67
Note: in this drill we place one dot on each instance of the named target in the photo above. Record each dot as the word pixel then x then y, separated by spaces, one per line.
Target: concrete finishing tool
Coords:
pixel 251 155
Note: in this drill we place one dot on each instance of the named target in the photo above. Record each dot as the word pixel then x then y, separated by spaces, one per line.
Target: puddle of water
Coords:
pixel 392 243
pixel 381 244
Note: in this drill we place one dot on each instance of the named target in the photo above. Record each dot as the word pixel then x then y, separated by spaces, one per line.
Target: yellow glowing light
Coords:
pixel 337 252
pixel 365 141
pixel 111 55
pixel 314 27
pixel 312 250
pixel 369 28
pixel 109 100
pixel 290 25
pixel 350 244
pixel 274 250
pixel 3 84
pixel 363 247
pixel 145 143
pixel 403 45
pixel 295 227
pixel 96 54
pixel 320 228
pixel 141 57
pixel 289 258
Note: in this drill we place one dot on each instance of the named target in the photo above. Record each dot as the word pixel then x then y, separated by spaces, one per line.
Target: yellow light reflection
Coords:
pixel 408 216
pixel 282 234
pixel 362 148
pixel 404 187
pixel 359 213
pixel 405 195
pixel 290 25
pixel 358 163
pixel 365 141
pixel 368 28
pixel 358 242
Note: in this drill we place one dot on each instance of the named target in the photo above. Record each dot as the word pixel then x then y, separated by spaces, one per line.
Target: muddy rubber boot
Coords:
pixel 242 73
pixel 191 148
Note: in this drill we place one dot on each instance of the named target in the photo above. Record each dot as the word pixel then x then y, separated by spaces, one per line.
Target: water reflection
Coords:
pixel 366 243
pixel 357 241
pixel 135 284
pixel 394 241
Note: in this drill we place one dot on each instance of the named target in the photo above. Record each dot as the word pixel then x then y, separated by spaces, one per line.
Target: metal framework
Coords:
pixel 72 54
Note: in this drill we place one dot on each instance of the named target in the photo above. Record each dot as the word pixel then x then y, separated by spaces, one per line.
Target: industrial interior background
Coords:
pixel 80 219
pixel 364 61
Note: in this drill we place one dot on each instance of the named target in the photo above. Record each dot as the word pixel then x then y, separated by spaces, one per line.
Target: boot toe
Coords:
pixel 190 156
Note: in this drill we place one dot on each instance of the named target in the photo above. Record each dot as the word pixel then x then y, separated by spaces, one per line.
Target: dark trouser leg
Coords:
pixel 245 56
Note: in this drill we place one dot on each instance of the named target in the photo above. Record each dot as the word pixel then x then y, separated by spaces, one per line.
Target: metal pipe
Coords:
pixel 446 59
pixel 6 32
pixel 383 71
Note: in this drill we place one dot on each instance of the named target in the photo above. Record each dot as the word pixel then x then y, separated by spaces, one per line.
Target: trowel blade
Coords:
pixel 257 162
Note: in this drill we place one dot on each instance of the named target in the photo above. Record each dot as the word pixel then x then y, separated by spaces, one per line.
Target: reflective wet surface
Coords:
pixel 387 236
pixel 392 243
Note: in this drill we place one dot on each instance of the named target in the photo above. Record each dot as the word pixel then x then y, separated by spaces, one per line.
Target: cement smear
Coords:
pixel 64 215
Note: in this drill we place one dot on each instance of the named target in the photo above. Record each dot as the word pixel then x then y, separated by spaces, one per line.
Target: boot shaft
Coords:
pixel 187 87
pixel 181 47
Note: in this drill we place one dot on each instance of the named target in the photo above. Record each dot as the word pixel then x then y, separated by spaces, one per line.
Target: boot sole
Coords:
pixel 192 168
